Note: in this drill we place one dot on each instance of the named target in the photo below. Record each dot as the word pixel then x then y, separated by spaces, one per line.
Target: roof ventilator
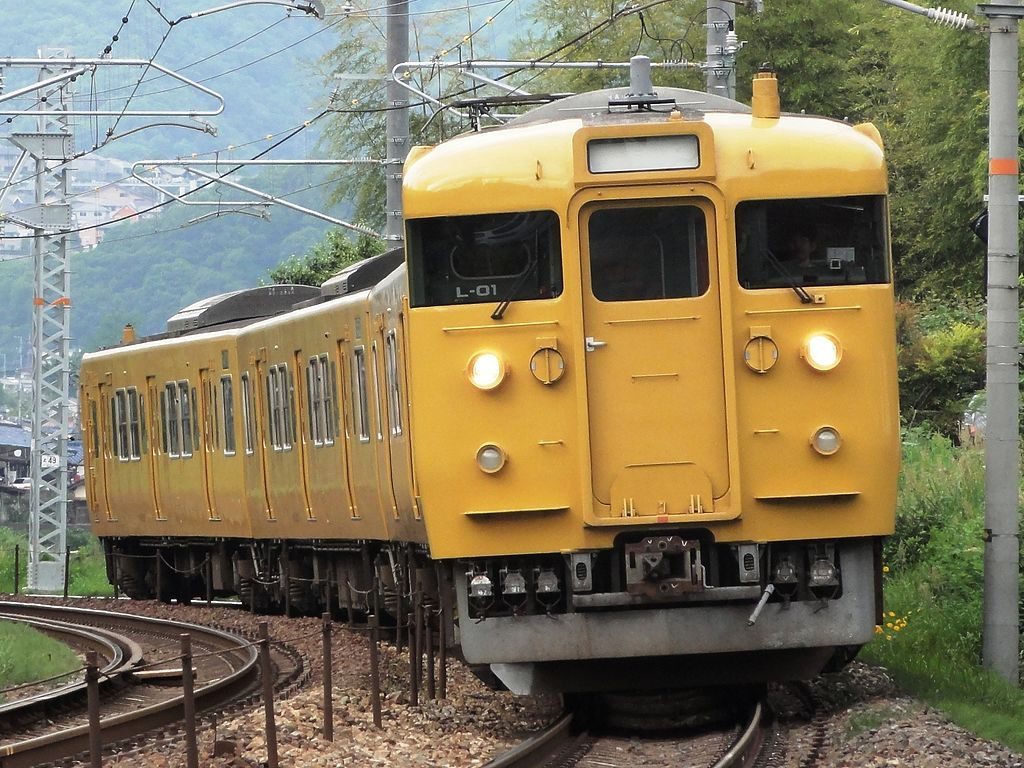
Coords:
pixel 641 97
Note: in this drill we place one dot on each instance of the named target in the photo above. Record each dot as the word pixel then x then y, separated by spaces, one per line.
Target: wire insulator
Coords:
pixel 948 18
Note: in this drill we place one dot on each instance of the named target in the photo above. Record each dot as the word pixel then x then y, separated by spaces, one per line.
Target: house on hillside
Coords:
pixel 15 445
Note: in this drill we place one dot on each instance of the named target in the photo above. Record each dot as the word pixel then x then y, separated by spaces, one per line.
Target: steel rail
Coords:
pixel 746 749
pixel 120 654
pixel 116 728
pixel 537 749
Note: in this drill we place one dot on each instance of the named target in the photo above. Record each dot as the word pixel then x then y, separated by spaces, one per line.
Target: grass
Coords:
pixel 27 656
pixel 87 568
pixel 931 637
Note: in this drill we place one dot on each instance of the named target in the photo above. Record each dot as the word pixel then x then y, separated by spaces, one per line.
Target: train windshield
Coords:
pixel 653 252
pixel 484 258
pixel 810 242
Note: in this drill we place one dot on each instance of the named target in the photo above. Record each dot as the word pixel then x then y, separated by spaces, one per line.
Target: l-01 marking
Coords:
pixel 482 291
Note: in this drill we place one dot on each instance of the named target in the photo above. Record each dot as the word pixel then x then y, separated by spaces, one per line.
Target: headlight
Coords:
pixel 823 573
pixel 822 351
pixel 826 441
pixel 491 458
pixel 486 370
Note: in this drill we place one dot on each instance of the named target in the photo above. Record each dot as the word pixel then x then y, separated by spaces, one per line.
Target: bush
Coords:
pixel 941 362
pixel 940 488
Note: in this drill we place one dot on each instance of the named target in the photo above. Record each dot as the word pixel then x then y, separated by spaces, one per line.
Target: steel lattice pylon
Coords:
pixel 51 148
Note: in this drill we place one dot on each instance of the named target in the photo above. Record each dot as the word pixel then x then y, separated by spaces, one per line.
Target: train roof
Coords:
pixel 363 274
pixel 600 105
pixel 238 307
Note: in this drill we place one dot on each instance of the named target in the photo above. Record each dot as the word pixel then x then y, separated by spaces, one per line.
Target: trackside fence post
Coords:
pixel 189 702
pixel 266 671
pixel 442 628
pixel 442 655
pixel 67 571
pixel 350 606
pixel 159 576
pixel 92 685
pixel 328 588
pixel 428 641
pixel 375 668
pixel 17 568
pixel 414 652
pixel 328 680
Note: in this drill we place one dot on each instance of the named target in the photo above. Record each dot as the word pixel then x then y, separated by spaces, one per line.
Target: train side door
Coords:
pixel 653 328
pixel 347 434
pixel 96 481
pixel 261 443
pixel 207 416
pixel 155 396
pixel 108 462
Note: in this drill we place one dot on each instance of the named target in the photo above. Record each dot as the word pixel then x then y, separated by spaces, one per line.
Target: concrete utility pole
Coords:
pixel 396 127
pixel 1001 635
pixel 720 75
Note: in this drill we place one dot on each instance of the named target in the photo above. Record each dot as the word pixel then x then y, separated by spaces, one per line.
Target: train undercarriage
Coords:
pixel 657 611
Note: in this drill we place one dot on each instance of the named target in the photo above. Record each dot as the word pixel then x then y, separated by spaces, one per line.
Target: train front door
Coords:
pixel 653 327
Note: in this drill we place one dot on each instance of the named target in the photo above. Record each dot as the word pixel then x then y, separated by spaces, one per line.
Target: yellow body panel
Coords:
pixel 335 489
pixel 156 494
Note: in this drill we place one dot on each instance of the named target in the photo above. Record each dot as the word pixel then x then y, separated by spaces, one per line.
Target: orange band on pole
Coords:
pixel 1002 166
pixel 39 302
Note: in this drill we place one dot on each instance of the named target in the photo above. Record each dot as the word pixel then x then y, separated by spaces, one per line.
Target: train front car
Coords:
pixel 654 388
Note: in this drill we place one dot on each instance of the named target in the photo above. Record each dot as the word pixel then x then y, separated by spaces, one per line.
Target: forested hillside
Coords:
pixel 148 270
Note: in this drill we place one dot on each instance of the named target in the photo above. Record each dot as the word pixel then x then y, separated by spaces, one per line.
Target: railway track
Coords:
pixel 560 747
pixel 141 665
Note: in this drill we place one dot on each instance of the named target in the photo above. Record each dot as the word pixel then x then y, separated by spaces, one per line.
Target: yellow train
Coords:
pixel 625 407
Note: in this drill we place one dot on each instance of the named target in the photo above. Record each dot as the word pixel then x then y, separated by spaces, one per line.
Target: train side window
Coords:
pixel 172 425
pixel 227 399
pixel 185 414
pixel 248 414
pixel 274 408
pixel 812 241
pixel 119 411
pixel 288 406
pixel 215 415
pixel 377 394
pixel 313 398
pixel 327 399
pixel 280 407
pixel 111 407
pixel 393 385
pixel 361 404
pixel 134 424
pixel 650 252
pixel 484 258
pixel 94 432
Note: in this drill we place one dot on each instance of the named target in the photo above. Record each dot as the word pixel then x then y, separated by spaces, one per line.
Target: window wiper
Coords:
pixel 531 268
pixel 805 297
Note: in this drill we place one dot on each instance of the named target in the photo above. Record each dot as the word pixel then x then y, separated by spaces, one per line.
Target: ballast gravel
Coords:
pixel 862 721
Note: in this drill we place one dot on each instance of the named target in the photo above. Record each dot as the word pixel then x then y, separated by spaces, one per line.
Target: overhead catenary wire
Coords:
pixel 156 206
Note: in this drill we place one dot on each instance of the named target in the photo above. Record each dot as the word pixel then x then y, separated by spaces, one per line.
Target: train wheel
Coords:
pixel 133 587
pixel 253 596
pixel 673 710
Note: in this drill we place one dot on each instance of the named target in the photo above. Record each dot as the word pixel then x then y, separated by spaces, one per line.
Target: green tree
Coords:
pixel 325 259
